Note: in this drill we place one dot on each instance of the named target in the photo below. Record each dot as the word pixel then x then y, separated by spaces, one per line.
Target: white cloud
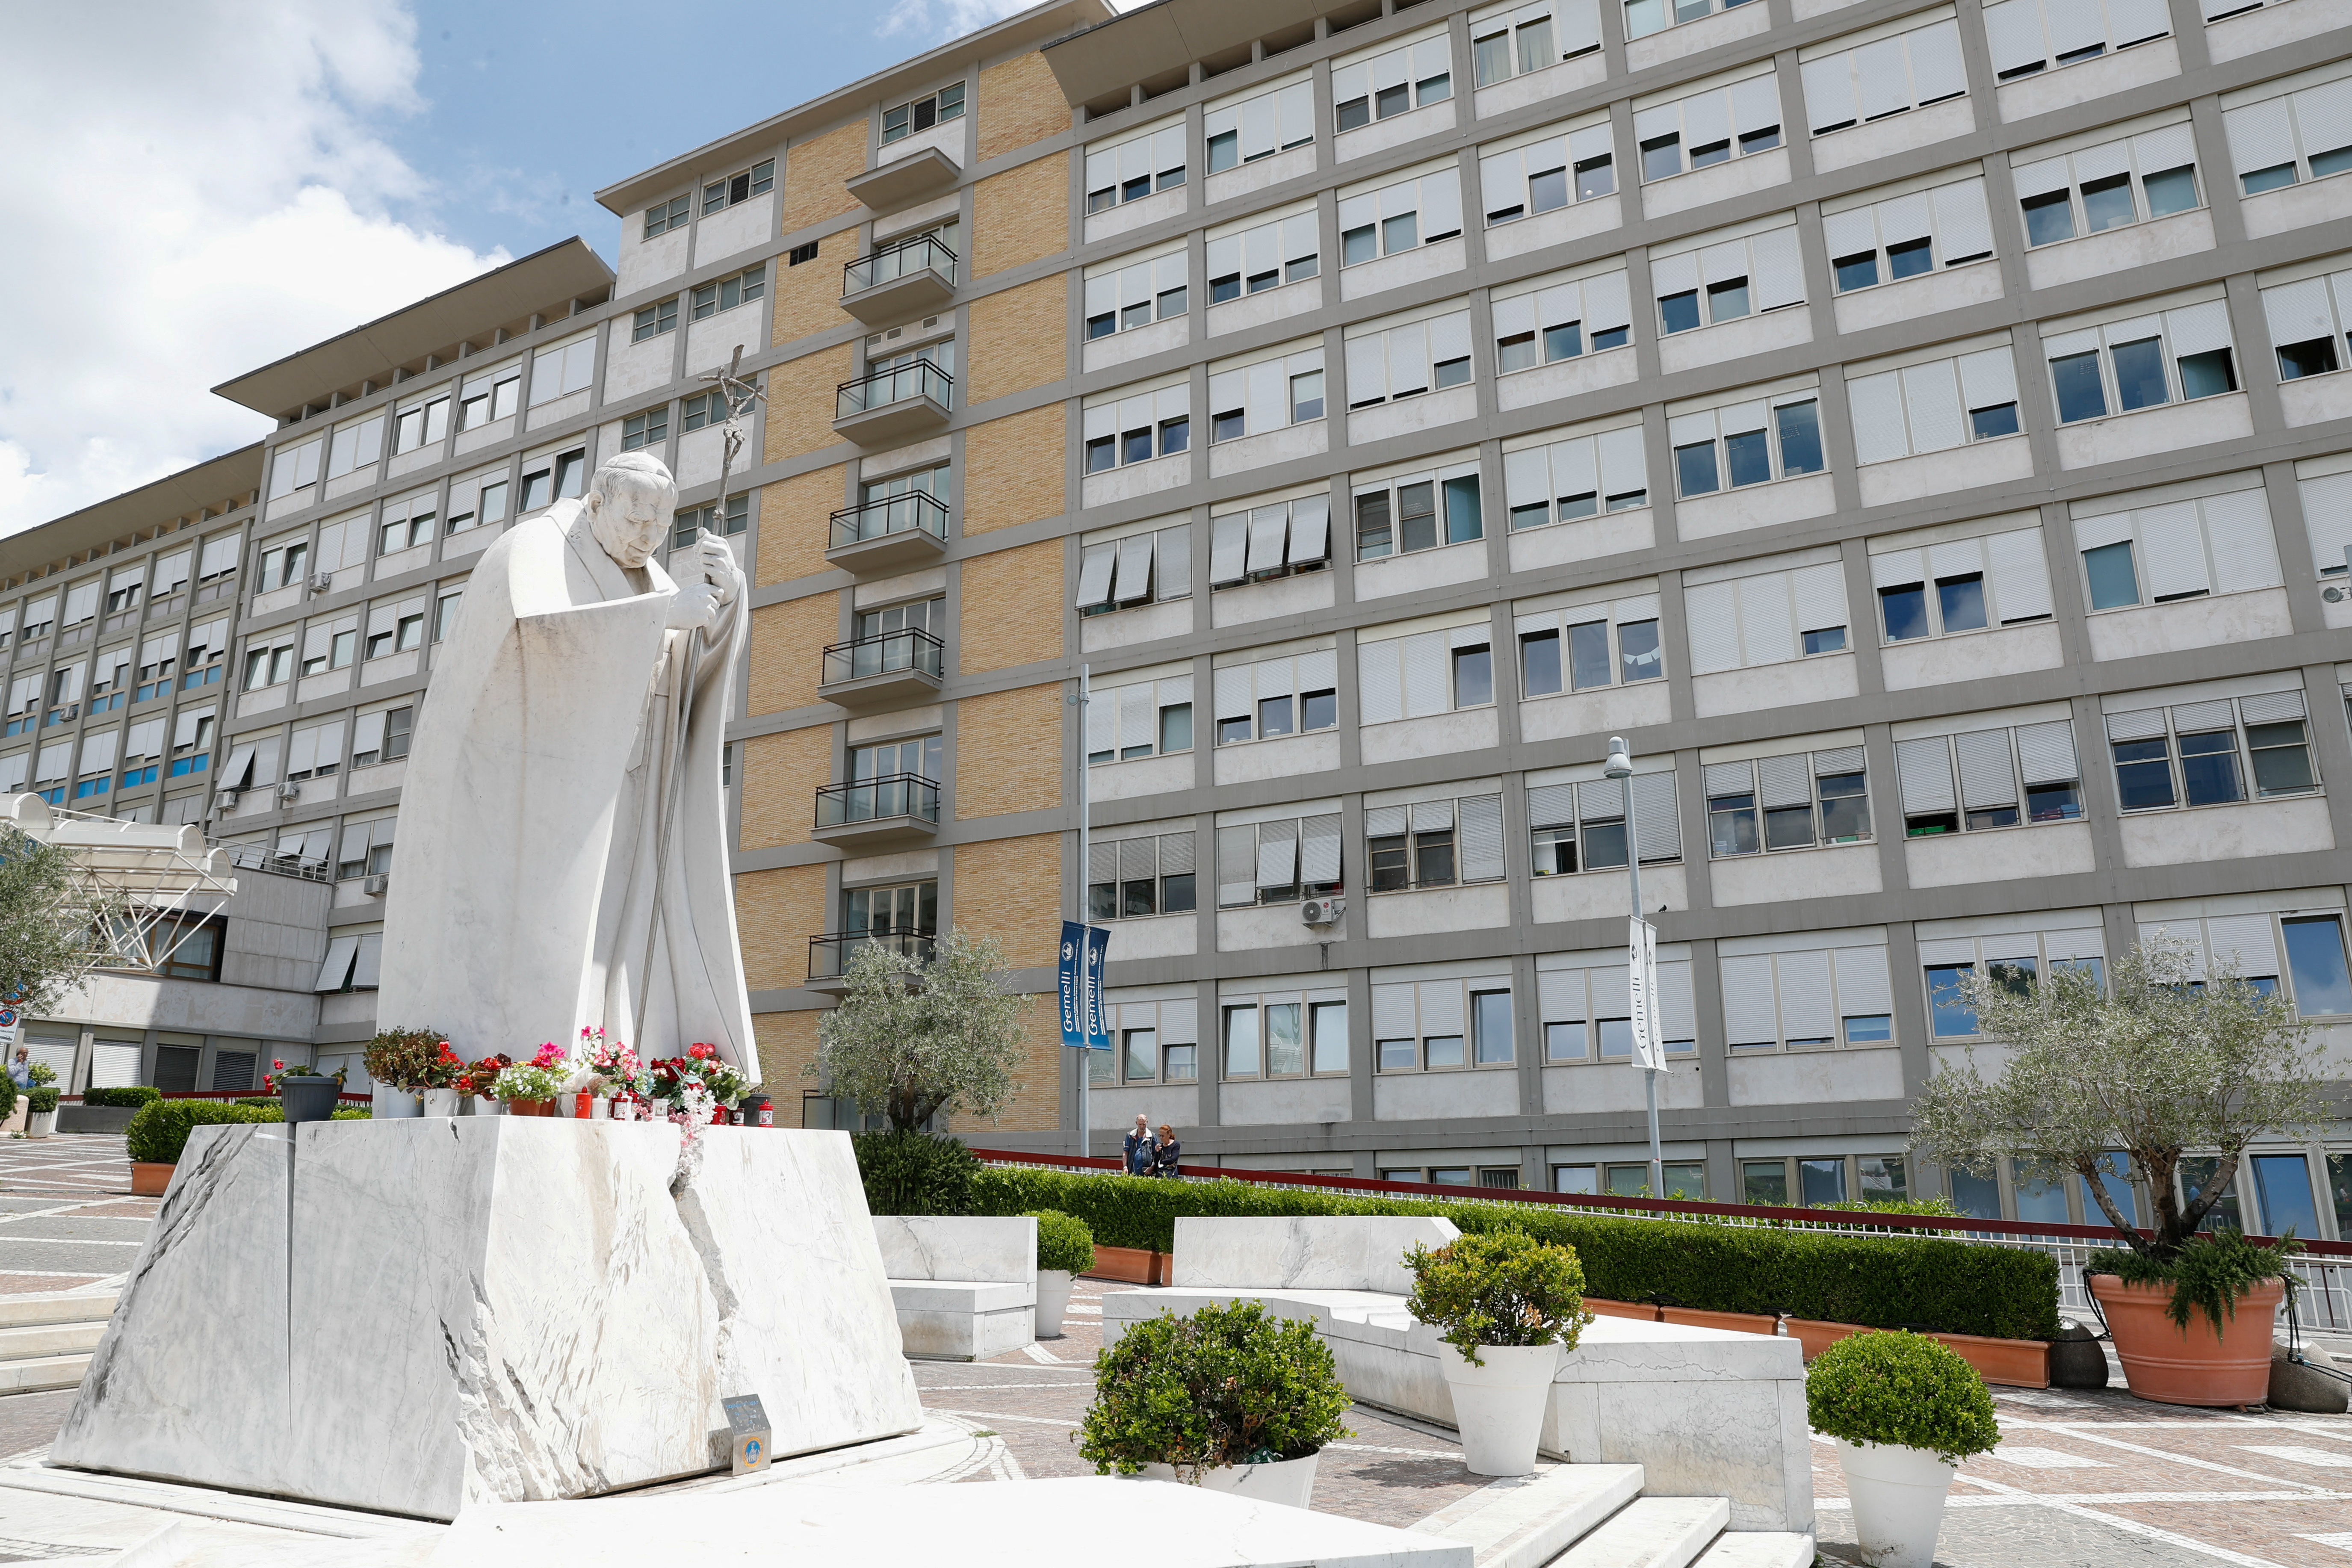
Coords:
pixel 205 194
pixel 931 22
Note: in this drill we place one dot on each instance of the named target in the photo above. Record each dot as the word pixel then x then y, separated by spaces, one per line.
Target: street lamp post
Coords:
pixel 1620 766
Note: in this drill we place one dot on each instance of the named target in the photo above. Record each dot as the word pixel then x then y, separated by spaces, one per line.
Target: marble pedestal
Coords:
pixel 965 1286
pixel 416 1316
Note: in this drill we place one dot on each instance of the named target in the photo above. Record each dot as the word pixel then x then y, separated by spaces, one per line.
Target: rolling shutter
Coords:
pixel 1925 771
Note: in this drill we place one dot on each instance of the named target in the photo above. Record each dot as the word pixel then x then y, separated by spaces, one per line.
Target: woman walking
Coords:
pixel 1166 1152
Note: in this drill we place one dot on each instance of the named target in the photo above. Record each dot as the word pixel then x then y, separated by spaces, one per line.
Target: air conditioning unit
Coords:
pixel 290 790
pixel 373 887
pixel 1322 912
pixel 322 582
pixel 224 801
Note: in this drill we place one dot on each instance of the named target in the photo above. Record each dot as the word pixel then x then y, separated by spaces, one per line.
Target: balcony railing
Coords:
pixel 878 800
pixel 913 512
pixel 830 956
pixel 885 388
pixel 923 253
pixel 910 649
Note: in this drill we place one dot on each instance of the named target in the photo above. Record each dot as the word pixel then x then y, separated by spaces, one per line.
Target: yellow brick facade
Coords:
pixel 799 402
pixel 1017 339
pixel 1008 752
pixel 781 774
pixel 1013 468
pixel 795 517
pixel 776 912
pixel 808 296
pixel 1020 102
pixel 1012 610
pixel 785 643
pixel 787 1043
pixel 1035 1106
pixel 814 172
pixel 1010 889
pixel 1022 215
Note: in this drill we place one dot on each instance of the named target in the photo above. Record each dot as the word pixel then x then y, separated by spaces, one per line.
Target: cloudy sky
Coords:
pixel 215 184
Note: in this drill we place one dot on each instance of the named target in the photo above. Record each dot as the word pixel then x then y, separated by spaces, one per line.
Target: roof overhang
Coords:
pixel 566 271
pixel 207 485
pixel 1152 39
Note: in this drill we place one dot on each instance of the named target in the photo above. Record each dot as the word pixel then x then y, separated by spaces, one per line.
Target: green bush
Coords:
pixel 8 1096
pixel 132 1095
pixel 1882 1281
pixel 160 1132
pixel 351 1113
pixel 1901 1389
pixel 1227 1386
pixel 914 1172
pixel 1063 1242
pixel 43 1100
pixel 264 1100
pixel 1504 1288
pixel 2207 1276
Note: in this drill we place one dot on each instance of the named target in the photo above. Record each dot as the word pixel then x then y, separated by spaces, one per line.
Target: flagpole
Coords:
pixel 1086 921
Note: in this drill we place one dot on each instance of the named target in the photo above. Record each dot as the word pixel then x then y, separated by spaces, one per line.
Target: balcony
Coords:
pixel 881 672
pixel 891 406
pixel 904 181
pixel 890 535
pixel 899 282
pixel 830 956
pixel 876 813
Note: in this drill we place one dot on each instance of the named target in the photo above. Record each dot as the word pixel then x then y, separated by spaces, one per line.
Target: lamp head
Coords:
pixel 1618 765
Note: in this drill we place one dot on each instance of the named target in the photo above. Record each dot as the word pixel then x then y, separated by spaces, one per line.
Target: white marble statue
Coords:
pixel 562 861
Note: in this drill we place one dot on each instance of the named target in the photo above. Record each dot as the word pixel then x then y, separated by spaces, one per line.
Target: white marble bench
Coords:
pixel 1704 1412
pixel 965 1288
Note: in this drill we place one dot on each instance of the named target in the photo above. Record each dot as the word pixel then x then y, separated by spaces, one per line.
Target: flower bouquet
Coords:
pixel 529 1088
pixel 480 1079
pixel 697 1088
pixel 616 1073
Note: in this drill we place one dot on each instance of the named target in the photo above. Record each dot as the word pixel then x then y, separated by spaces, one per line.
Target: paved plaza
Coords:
pixel 2081 1479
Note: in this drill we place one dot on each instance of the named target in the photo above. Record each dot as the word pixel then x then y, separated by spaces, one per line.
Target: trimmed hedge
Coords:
pixel 159 1133
pixel 133 1095
pixel 42 1101
pixel 1881 1281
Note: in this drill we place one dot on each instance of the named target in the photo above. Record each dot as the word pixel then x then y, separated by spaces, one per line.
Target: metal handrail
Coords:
pixel 254 857
pixel 905 649
pixel 915 511
pixel 882 388
pixel 923 253
pixel 829 955
pixel 877 799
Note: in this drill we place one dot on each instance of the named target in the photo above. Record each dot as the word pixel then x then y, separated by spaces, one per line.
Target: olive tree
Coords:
pixel 2163 1064
pixel 54 927
pixel 913 1037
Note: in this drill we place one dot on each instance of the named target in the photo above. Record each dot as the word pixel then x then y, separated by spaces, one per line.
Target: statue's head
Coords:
pixel 629 504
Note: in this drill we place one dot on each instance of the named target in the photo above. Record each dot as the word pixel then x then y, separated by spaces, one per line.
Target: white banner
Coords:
pixel 1641 973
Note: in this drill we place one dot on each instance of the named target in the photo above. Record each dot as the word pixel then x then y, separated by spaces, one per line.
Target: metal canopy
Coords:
pixel 147 885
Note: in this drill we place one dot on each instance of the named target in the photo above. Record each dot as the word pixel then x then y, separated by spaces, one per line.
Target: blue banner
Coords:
pixel 1097 960
pixel 1084 950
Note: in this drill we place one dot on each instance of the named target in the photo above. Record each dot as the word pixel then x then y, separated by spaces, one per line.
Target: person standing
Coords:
pixel 20 1071
pixel 1140 1155
pixel 1165 1154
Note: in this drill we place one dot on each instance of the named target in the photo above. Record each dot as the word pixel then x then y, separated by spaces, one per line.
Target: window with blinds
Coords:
pixel 1261 543
pixel 1575 163
pixel 1438 1025
pixel 1961 585
pixel 1138 719
pixel 1766 617
pixel 1884 240
pixel 1435 843
pixel 1803 800
pixel 1275 862
pixel 1587 1005
pixel 1994 777
pixel 1123 295
pixel 1400 78
pixel 1268 698
pixel 1852 84
pixel 1578 647
pixel 1268 392
pixel 1390 360
pixel 1269 251
pixel 1405 512
pixel 2305 948
pixel 2026 36
pixel 2142 362
pixel 1135 569
pixel 1544 322
pixel 1747 441
pixel 2220 751
pixel 1933 407
pixel 1423 673
pixel 1133 168
pixel 1404 215
pixel 2326 484
pixel 1129 879
pixel 1513 40
pixel 2092 189
pixel 1158 1042
pixel 1807 998
pixel 1286 1034
pixel 1242 130
pixel 2306 319
pixel 365 849
pixel 2177 550
pixel 2014 958
pixel 1580 827
pixel 1708 280
pixel 1122 428
pixel 1549 480
pixel 1719 122
pixel 315 751
pixel 2284 133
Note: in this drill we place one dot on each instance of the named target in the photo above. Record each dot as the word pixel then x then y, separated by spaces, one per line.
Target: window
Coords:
pixel 81 600
pixel 1401 217
pixel 2143 362
pixel 650 428
pixel 1596 642
pixel 1269 698
pixel 1138 427
pixel 315 751
pixel 1133 877
pixel 2030 35
pixel 1581 826
pixel 2290 137
pixel 157 658
pixel 330 645
pixel 1277 862
pixel 1587 1005
pixel 1288 1035
pixel 191 741
pixel 663 216
pixel 1389 363
pixel 267 666
pixel 1961 585
pixel 2304 317
pixel 294 467
pixel 1828 1179
pixel 1131 170
pixel 1403 673
pixel 490 396
pixel 41 614
pixel 921 113
pixel 1400 79
pixel 2150 175
pixel 1643 17
pixel 1749 443
pixel 2016 960
pixel 1735 120
pixel 801 253
pixel 725 293
pixel 1145 568
pixel 2252 946
pixel 1711 280
pixel 1122 296
pixel 1848 86
pixel 1518 39
pixel 2220 751
pixel 1243 132
pixel 2007 776
pixel 405 525
pixel 1582 476
pixel 655 320
pixel 743 185
pixel 421 424
pixel 365 849
pixel 1266 254
pixel 1894 238
pixel 171 577
pixel 394 627
pixel 444 613
pixel 143 752
pixel 1435 1026
pixel 1271 392
pixel 2180 549
pixel 1827 990
pixel 561 369
pixel 1547 323
pixel 691 520
pixel 1433 843
pixel 1933 407
pixel 1797 800
pixel 1138 719
pixel 381 737
pixel 281 566
pixel 1548 173
pixel 207 650
pixel 1155 1040
pixel 359 445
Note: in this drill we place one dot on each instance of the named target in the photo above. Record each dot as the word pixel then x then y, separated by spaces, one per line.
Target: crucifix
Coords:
pixel 741 398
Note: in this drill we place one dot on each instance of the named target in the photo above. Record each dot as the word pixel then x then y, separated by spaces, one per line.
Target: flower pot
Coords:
pixel 2194 1365
pixel 1638 1312
pixel 41 1123
pixel 531 1108
pixel 1816 1337
pixel 1052 1300
pixel 1290 1483
pixel 391 1103
pixel 600 1109
pixel 1133 1265
pixel 1898 1501
pixel 488 1105
pixel 149 1178
pixel 1738 1322
pixel 440 1101
pixel 1499 1407
pixel 308 1098
pixel 2008 1364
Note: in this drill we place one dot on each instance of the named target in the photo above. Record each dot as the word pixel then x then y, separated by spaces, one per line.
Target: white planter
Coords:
pixel 485 1105
pixel 440 1102
pixel 1499 1407
pixel 1052 1300
pixel 1290 1483
pixel 390 1104
pixel 41 1123
pixel 1898 1501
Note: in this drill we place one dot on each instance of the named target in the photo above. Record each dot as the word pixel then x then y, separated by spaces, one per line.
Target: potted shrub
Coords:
pixel 478 1078
pixel 43 1119
pixel 2171 1061
pixel 1904 1412
pixel 1066 1247
pixel 305 1093
pixel 1227 1398
pixel 401 1061
pixel 1508 1307
pixel 528 1088
pixel 437 1083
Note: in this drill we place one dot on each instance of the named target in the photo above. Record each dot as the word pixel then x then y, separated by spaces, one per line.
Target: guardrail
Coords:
pixel 877 799
pixel 225 1094
pixel 916 511
pixel 883 654
pixel 884 387
pixel 924 253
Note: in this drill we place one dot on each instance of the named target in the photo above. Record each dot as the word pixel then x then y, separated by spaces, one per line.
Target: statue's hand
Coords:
pixel 714 563
pixel 695 607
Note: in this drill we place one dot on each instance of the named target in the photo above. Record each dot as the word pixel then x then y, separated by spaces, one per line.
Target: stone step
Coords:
pixel 35 1340
pixel 37 1373
pixel 1758 1549
pixel 57 1307
pixel 1525 1521
pixel 1651 1532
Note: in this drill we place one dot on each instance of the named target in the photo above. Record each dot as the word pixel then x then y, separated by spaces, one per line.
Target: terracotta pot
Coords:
pixel 2194 1365
pixel 1638 1312
pixel 2010 1364
pixel 531 1108
pixel 1817 1337
pixel 149 1178
pixel 1739 1322
pixel 1134 1265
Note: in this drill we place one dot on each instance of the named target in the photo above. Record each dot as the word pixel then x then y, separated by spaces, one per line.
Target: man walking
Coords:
pixel 1140 1155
